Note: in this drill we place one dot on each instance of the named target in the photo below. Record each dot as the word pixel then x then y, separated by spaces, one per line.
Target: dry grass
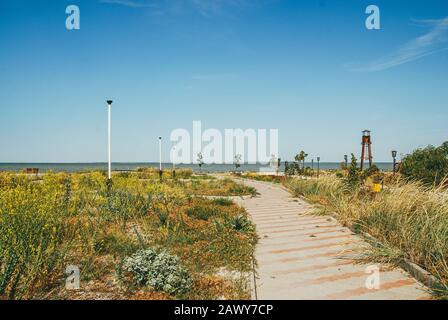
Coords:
pixel 216 187
pixel 409 219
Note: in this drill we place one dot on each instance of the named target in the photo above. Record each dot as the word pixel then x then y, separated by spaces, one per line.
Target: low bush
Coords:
pixel 201 211
pixel 159 270
pixel 223 202
pixel 428 165
pixel 240 223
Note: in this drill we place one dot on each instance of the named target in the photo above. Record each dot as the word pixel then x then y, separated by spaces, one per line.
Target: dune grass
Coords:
pixel 73 219
pixel 408 218
pixel 217 187
pixel 263 177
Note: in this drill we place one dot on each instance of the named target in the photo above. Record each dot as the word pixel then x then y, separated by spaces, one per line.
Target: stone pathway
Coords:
pixel 303 256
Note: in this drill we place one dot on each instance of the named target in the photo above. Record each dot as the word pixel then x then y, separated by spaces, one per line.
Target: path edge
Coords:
pixel 418 273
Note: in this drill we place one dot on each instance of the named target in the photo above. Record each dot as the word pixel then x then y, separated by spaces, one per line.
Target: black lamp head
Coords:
pixel 109 102
pixel 394 154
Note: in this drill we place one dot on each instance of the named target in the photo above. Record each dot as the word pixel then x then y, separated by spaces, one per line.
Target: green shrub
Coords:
pixel 429 165
pixel 354 177
pixel 163 216
pixel 115 244
pixel 223 202
pixel 31 227
pixel 241 190
pixel 201 211
pixel 159 270
pixel 124 205
pixel 240 223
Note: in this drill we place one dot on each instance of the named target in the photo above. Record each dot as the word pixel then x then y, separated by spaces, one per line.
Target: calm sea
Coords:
pixel 124 166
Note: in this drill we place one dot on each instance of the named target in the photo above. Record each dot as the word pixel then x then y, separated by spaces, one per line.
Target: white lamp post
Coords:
pixel 160 158
pixel 160 153
pixel 174 158
pixel 109 107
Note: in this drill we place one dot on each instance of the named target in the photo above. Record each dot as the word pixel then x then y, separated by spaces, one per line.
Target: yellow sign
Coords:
pixel 376 187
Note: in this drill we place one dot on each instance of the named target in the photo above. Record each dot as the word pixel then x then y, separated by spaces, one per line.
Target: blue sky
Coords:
pixel 309 68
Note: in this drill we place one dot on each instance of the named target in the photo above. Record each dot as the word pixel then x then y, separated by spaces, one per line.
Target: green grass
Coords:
pixel 71 219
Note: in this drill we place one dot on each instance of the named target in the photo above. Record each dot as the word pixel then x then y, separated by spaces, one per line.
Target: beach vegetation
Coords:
pixel 428 165
pixel 408 218
pixel 73 219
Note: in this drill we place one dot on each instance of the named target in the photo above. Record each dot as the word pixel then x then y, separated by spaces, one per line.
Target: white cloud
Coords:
pixel 435 40
pixel 132 3
pixel 204 7
pixel 213 7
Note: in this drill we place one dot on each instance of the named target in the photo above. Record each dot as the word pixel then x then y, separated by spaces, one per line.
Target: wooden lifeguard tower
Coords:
pixel 366 152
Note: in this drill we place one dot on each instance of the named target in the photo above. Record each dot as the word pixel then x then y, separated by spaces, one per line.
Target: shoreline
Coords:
pixel 132 166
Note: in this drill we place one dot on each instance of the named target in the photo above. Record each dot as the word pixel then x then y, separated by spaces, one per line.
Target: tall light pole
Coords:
pixel 174 162
pixel 394 156
pixel 174 158
pixel 346 161
pixel 318 167
pixel 109 168
pixel 160 153
pixel 160 158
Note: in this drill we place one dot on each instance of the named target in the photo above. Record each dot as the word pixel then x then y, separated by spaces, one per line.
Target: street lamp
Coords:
pixel 174 158
pixel 346 161
pixel 109 107
pixel 394 156
pixel 174 161
pixel 318 167
pixel 160 157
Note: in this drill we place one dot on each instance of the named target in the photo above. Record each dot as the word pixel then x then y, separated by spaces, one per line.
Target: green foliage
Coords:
pixel 240 223
pixel 163 216
pixel 200 160
pixel 237 161
pixel 373 170
pixel 301 157
pixel 429 165
pixel 297 167
pixel 241 190
pixel 31 226
pixel 160 271
pixel 223 202
pixel 124 205
pixel 115 244
pixel 63 219
pixel 353 178
pixel 201 211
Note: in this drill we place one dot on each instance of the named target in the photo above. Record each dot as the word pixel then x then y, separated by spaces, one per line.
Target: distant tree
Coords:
pixel 200 161
pixel 373 170
pixel 353 178
pixel 429 165
pixel 300 158
pixel 237 161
